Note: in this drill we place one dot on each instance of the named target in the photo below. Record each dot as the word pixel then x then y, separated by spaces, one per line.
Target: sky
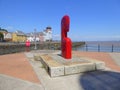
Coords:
pixel 90 20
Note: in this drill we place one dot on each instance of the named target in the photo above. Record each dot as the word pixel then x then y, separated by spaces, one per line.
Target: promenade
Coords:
pixel 19 71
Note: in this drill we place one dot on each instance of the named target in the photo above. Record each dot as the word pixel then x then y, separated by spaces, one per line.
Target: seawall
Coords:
pixel 6 48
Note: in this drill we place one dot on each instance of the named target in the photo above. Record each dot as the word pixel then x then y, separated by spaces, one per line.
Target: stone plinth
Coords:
pixel 56 65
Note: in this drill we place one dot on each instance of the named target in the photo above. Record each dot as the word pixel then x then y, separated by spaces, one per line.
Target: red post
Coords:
pixel 27 44
pixel 66 43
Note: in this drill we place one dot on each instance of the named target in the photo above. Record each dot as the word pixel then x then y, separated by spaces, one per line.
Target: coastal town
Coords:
pixel 60 45
pixel 20 36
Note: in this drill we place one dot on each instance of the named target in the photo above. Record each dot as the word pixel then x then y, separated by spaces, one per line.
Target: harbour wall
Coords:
pixel 7 48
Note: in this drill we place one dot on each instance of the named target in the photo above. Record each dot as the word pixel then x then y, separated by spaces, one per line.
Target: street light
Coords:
pixel 35 38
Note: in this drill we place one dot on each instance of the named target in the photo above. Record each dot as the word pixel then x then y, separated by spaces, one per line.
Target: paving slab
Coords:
pixel 12 83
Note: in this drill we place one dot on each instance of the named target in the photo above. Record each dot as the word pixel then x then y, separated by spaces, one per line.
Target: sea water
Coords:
pixel 100 46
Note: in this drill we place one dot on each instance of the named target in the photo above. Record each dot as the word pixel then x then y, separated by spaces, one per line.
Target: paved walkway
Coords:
pixel 116 57
pixel 111 59
pixel 20 72
pixel 17 65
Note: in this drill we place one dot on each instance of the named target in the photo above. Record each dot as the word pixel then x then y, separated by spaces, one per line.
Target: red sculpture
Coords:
pixel 27 44
pixel 66 43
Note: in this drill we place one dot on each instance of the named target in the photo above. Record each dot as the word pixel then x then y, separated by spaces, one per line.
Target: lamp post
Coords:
pixel 35 38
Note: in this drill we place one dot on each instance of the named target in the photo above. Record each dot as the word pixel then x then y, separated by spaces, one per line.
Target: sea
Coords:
pixel 100 46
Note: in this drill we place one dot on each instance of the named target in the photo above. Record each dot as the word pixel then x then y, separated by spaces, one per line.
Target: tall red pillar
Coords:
pixel 66 44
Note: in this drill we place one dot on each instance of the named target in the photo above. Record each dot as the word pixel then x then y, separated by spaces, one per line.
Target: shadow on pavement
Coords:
pixel 100 80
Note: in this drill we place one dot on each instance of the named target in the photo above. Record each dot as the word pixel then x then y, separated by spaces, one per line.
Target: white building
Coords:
pixel 30 37
pixel 46 35
pixel 8 36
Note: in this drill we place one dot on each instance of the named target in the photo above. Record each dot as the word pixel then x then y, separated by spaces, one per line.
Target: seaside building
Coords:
pixel 19 36
pixel 46 35
pixel 41 36
pixel 30 37
pixel 8 36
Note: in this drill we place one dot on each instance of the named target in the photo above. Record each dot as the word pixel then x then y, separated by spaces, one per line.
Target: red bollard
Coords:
pixel 27 44
pixel 66 44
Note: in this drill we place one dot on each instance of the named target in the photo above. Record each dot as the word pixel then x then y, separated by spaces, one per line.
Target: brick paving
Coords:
pixel 97 80
pixel 17 65
pixel 102 56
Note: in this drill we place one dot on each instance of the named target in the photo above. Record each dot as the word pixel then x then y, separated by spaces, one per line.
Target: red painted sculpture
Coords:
pixel 27 44
pixel 66 43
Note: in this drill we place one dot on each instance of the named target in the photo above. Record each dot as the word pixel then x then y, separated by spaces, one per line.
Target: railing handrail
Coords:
pixel 101 48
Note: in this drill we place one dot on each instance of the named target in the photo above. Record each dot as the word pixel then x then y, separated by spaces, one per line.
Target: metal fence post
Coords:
pixel 98 48
pixel 86 47
pixel 112 47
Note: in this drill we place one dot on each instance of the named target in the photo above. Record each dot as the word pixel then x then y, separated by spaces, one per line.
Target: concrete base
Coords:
pixel 55 65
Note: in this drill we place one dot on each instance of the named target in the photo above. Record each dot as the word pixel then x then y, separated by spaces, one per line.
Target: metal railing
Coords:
pixel 99 48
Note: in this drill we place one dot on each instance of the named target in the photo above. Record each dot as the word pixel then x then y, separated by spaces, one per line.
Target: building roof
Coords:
pixel 20 33
pixel 29 34
pixel 33 34
pixel 48 27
